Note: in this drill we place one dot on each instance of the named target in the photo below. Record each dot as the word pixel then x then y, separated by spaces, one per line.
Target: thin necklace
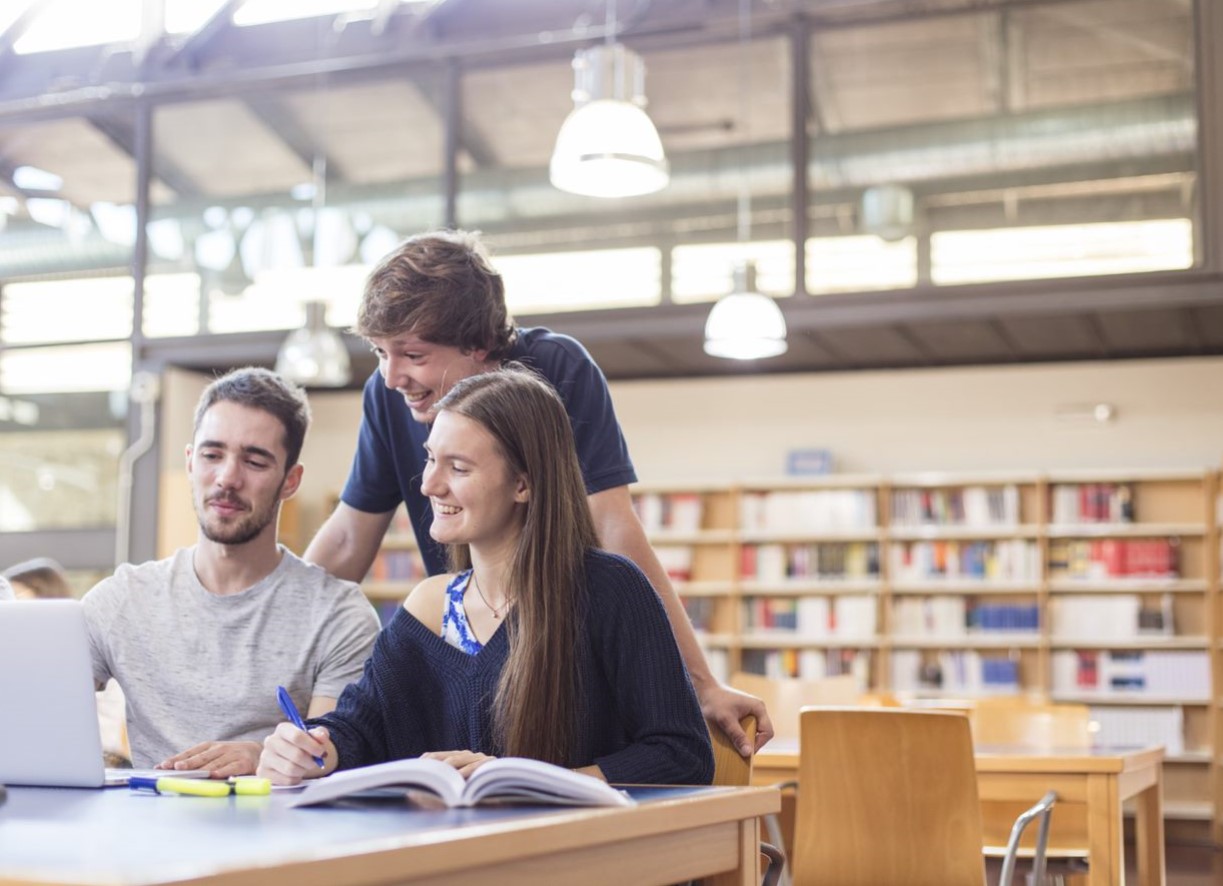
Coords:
pixel 491 608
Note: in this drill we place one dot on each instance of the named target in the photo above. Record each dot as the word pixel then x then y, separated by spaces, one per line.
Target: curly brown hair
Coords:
pixel 442 287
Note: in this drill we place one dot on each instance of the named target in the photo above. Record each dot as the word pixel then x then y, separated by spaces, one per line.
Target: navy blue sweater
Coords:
pixel 637 718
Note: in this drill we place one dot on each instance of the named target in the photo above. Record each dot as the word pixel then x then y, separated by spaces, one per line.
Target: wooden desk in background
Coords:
pixel 86 837
pixel 1097 779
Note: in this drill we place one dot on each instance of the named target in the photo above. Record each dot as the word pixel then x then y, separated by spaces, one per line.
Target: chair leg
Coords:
pixel 772 827
pixel 777 864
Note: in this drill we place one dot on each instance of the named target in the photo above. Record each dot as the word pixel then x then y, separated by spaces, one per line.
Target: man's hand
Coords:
pixel 726 707
pixel 221 758
pixel 466 762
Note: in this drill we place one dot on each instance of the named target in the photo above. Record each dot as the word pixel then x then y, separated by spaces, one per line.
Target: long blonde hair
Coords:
pixel 535 711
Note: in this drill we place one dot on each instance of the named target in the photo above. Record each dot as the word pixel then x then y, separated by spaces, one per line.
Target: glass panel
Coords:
pixel 65 276
pixel 84 310
pixel 1061 251
pixel 576 281
pixel 857 264
pixel 1070 125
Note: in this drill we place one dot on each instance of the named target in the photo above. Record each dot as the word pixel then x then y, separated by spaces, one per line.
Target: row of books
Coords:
pixel 1158 674
pixel 809 664
pixel 815 618
pixel 830 560
pixel 672 511
pixel 820 509
pixel 1111 617
pixel 958 617
pixel 1141 727
pixel 702 612
pixel 1092 503
pixel 1012 560
pixel 676 561
pixel 961 672
pixel 977 506
pixel 390 565
pixel 1114 558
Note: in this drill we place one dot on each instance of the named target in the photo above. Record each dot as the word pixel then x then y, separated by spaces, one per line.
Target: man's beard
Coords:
pixel 246 529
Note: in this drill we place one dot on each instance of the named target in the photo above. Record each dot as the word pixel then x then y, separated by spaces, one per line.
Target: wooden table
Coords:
pixel 1097 779
pixel 94 837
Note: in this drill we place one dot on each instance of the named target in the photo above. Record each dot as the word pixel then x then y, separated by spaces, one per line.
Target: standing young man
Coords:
pixel 434 312
pixel 200 641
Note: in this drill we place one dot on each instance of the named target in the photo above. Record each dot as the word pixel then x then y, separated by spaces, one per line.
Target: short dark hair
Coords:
pixel 263 389
pixel 443 287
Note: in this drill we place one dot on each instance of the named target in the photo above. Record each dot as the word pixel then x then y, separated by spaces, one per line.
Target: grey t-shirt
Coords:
pixel 196 666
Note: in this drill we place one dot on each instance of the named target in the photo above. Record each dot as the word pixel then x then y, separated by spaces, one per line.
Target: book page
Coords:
pixel 517 779
pixel 433 776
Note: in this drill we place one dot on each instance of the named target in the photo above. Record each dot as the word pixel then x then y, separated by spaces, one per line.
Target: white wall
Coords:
pixel 1169 413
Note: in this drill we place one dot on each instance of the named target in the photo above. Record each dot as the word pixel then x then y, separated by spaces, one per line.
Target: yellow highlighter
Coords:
pixel 201 787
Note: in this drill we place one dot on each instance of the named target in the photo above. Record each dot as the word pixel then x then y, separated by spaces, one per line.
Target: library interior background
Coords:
pixel 981 451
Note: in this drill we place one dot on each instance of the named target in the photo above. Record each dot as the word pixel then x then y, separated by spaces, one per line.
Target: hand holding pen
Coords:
pixel 289 750
pixel 291 714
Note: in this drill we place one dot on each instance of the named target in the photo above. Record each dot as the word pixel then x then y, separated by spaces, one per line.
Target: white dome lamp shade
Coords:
pixel 315 356
pixel 608 146
pixel 745 325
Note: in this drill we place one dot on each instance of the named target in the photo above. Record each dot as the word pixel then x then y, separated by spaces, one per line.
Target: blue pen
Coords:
pixel 290 711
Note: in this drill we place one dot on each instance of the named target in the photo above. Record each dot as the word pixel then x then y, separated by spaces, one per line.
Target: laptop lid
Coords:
pixel 50 735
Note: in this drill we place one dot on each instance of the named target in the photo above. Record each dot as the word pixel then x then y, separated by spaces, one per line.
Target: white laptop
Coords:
pixel 50 734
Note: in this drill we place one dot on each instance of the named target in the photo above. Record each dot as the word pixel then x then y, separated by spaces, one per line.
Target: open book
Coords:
pixel 504 780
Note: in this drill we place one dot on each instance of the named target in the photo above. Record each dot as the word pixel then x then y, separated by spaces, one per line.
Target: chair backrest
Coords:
pixel 1032 725
pixel 730 768
pixel 784 697
pixel 886 797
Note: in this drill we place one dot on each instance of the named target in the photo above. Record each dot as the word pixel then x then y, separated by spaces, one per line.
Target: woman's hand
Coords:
pixel 288 754
pixel 466 762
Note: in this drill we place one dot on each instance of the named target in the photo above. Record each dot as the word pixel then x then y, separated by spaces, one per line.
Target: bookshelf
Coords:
pixel 1095 587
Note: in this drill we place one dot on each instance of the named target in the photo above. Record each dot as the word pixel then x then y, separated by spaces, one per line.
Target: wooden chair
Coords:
pixel 889 798
pixel 1020 721
pixel 732 769
pixel 784 697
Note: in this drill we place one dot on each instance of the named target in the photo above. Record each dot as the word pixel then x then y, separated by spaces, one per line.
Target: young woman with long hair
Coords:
pixel 537 644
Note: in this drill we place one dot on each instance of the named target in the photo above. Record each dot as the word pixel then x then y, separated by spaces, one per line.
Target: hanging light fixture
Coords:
pixel 315 355
pixel 745 325
pixel 608 146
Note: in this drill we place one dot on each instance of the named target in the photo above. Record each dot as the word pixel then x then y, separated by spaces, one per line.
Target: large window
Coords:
pixel 1035 141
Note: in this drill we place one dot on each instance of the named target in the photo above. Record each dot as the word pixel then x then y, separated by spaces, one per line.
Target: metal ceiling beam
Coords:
pixel 16 30
pixel 285 124
pixel 190 51
pixel 122 133
pixel 468 134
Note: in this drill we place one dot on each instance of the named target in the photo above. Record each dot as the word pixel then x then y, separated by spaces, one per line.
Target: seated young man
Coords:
pixel 200 641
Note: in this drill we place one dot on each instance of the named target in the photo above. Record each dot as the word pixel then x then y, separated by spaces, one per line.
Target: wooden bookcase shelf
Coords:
pixel 1016 563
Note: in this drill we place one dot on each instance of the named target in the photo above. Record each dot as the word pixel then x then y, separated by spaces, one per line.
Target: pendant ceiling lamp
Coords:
pixel 745 325
pixel 608 146
pixel 315 356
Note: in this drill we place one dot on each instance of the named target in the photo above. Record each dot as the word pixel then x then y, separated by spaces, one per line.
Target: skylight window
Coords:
pixel 67 23
pixel 261 12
